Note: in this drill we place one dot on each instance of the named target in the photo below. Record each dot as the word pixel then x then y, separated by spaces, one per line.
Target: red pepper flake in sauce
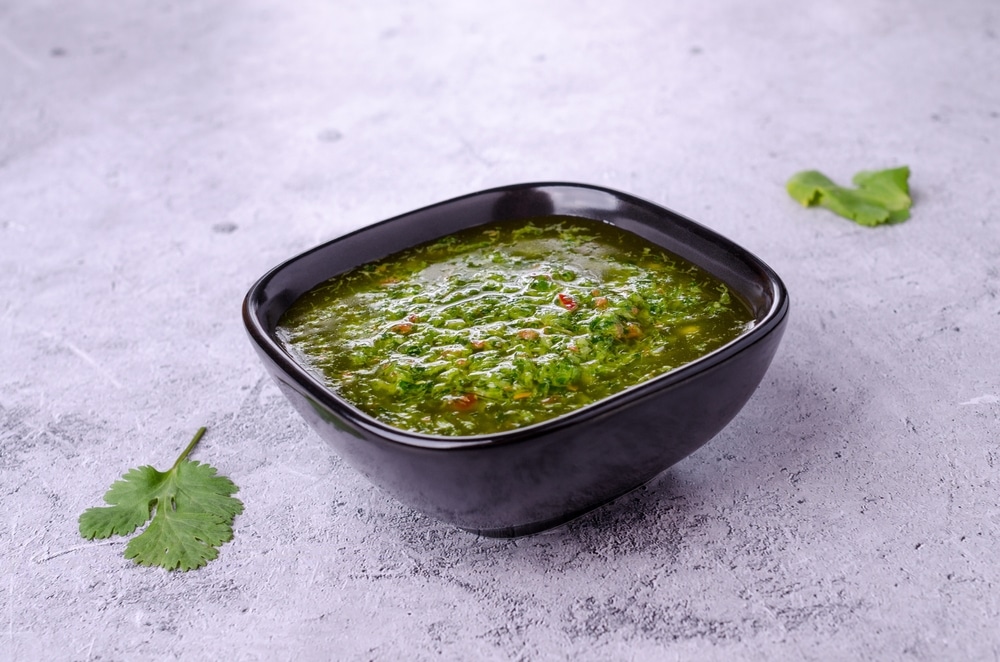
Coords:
pixel 633 331
pixel 567 302
pixel 463 402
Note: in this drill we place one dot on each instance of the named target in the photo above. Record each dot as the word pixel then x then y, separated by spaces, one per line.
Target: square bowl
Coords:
pixel 532 478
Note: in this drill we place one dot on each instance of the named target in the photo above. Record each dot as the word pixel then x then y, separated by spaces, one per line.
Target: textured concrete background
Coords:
pixel 157 157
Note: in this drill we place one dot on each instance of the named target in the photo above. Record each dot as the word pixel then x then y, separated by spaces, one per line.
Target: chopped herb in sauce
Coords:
pixel 507 325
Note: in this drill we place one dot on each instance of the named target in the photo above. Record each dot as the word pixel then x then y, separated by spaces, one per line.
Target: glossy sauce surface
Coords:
pixel 508 325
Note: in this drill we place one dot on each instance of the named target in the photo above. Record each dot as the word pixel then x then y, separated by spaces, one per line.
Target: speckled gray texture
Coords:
pixel 157 157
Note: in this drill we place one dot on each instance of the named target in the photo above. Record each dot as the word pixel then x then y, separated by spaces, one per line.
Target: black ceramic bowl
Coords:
pixel 529 479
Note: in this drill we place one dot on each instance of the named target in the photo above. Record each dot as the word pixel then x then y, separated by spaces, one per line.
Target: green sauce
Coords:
pixel 507 325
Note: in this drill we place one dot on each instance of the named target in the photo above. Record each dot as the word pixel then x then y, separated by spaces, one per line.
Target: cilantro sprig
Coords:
pixel 881 196
pixel 194 512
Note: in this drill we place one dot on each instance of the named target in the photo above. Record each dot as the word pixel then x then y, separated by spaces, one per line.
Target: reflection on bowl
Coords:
pixel 528 479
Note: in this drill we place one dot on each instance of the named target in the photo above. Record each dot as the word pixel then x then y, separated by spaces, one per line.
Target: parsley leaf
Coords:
pixel 194 513
pixel 882 196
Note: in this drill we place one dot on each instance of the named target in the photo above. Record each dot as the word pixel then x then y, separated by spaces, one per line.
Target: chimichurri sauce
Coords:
pixel 507 325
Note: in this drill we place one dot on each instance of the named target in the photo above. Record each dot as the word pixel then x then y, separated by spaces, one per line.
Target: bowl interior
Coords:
pixel 746 276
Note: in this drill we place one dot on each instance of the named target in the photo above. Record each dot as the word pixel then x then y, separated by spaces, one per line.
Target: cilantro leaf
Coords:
pixel 191 506
pixel 881 196
pixel 178 540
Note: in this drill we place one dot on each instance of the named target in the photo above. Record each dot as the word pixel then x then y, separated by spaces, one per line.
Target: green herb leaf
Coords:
pixel 881 196
pixel 194 512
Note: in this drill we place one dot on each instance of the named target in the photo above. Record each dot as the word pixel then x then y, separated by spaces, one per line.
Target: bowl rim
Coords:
pixel 265 341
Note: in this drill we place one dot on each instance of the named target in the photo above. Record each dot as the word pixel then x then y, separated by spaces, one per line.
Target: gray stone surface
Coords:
pixel 157 157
